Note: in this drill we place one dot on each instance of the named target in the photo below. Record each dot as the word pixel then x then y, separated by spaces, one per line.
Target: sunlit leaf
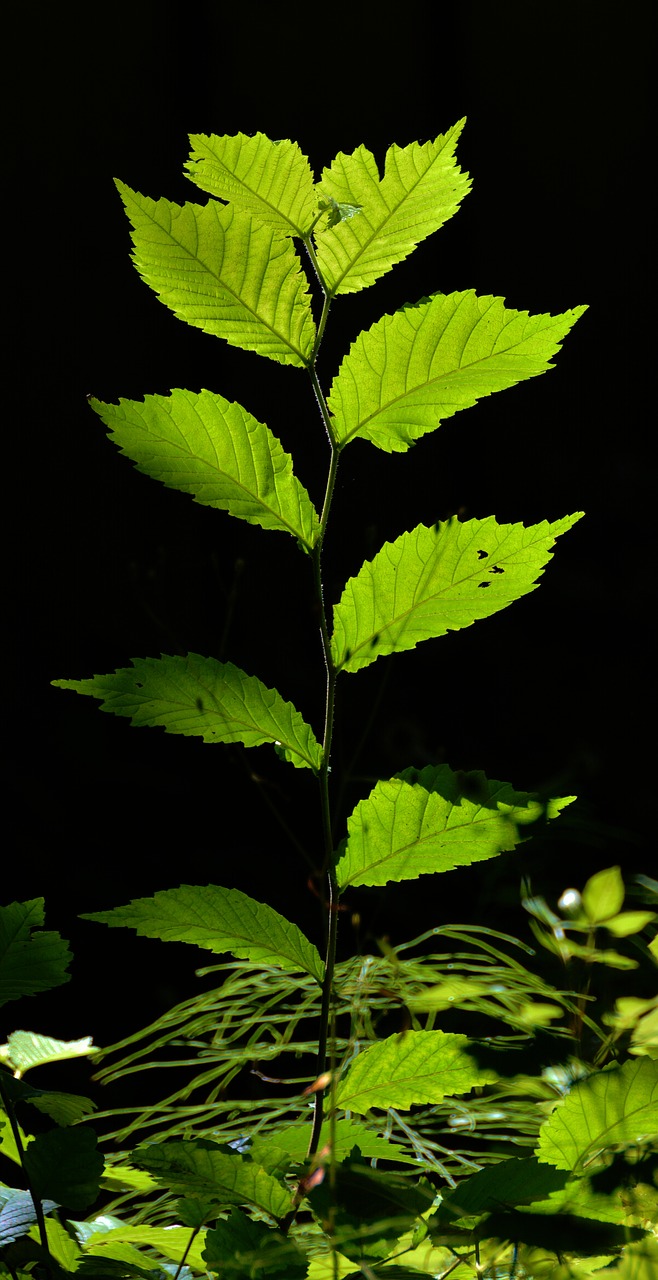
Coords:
pixel 409 1068
pixel 411 370
pixel 432 820
pixel 31 959
pixel 603 895
pixel 25 1049
pixel 221 272
pixel 611 1109
pixel 202 1168
pixel 172 1242
pixel 345 1134
pixel 218 453
pixel 63 1108
pixel 219 920
pixel 421 188
pixel 270 180
pixel 438 579
pixel 201 697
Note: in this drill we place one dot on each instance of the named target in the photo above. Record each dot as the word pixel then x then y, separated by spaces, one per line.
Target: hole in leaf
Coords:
pixel 482 555
pixel 484 584
pixel 139 684
pixel 496 569
pixel 375 641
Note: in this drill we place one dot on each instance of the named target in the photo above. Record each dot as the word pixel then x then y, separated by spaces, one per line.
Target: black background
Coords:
pixel 108 565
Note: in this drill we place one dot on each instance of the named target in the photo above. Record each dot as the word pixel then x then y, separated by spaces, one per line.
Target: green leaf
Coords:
pixel 240 1249
pixel 65 1165
pixel 25 1049
pixel 219 920
pixel 611 1109
pixel 270 180
pixel 221 272
pixel 17 1213
pixel 639 1262
pixel 63 1108
pixel 201 697
pixel 366 1210
pixel 31 960
pixel 409 1068
pixel 603 895
pixel 438 579
pixel 433 820
pixel 202 1168
pixel 411 370
pixel 421 188
pixel 216 451
pixel 171 1241
pixel 510 1182
pixel 343 1135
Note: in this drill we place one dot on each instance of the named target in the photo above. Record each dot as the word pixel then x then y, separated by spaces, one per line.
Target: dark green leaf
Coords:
pixel 240 1249
pixel 31 959
pixel 65 1164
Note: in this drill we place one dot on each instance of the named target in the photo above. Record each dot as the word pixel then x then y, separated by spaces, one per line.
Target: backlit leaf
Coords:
pixel 201 697
pixel 221 272
pixel 270 180
pixel 25 1049
pixel 421 188
pixel 411 370
pixel 201 1168
pixel 423 822
pixel 409 1068
pixel 31 959
pixel 611 1109
pixel 438 579
pixel 220 920
pixel 216 451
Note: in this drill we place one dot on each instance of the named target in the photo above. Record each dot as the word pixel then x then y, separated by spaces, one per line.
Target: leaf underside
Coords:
pixel 408 1069
pixel 270 180
pixel 422 823
pixel 222 272
pixel 216 451
pixel 197 696
pixel 411 370
pixel 421 188
pixel 437 579
pixel 219 920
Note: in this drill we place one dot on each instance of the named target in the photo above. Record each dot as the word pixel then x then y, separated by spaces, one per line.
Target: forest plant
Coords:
pixel 355 1171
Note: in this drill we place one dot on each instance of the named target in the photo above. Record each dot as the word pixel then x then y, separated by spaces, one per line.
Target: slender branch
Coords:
pixel 38 1207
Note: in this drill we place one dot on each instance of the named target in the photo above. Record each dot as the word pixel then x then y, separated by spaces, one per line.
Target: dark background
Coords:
pixel 107 565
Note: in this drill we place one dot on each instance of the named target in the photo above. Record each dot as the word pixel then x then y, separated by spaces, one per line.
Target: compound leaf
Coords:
pixel 202 1168
pixel 437 579
pixel 31 959
pixel 219 920
pixel 201 697
pixel 270 180
pixel 216 451
pixel 411 370
pixel 421 823
pixel 422 187
pixel 611 1109
pixel 409 1068
pixel 221 272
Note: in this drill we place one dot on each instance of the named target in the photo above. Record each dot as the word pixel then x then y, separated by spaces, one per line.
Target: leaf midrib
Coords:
pixel 256 319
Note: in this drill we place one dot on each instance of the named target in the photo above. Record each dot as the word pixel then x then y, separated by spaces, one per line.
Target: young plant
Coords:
pixel 294 1187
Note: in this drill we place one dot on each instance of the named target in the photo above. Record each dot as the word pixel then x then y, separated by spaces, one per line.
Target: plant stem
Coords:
pixel 38 1207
